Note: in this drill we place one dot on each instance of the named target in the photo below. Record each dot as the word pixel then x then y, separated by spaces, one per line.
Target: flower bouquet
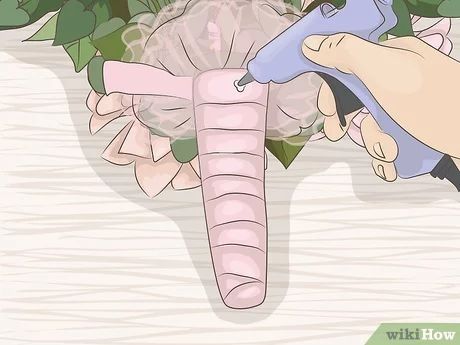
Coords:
pixel 170 68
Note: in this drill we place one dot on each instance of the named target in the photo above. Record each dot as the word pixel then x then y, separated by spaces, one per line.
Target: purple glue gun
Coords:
pixel 282 60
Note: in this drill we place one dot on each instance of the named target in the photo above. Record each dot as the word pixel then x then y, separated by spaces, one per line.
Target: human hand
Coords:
pixel 413 82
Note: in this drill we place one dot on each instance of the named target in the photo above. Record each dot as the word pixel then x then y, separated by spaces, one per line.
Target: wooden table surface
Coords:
pixel 87 259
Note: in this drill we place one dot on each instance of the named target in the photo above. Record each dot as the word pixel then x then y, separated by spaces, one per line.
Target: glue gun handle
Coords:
pixel 347 102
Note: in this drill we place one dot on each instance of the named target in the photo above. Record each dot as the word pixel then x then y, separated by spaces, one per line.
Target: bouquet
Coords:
pixel 170 67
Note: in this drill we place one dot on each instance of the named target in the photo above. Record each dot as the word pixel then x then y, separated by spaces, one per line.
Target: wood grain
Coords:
pixel 87 259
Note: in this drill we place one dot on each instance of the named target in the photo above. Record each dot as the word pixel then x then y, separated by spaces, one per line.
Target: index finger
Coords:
pixel 327 106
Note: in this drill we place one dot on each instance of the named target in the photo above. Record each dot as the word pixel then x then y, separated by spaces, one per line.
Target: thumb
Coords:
pixel 344 52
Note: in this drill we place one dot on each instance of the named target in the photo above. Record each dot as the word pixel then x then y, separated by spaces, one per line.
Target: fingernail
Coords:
pixel 313 42
pixel 381 171
pixel 378 150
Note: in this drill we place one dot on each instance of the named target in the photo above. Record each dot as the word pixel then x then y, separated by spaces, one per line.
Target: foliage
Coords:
pixel 19 13
pixel 84 27
pixel 81 52
pixel 434 8
pixel 95 76
pixel 74 22
pixel 81 27
pixel 296 3
pixel 11 14
pixel 286 150
pixel 404 27
pixel 184 150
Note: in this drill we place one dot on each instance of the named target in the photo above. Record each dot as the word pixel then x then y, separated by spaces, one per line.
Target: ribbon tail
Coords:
pixel 140 79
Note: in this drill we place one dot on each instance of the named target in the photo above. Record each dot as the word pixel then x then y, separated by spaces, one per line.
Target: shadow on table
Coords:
pixel 185 208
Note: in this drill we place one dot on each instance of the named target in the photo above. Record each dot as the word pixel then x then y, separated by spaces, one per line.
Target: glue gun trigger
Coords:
pixel 346 102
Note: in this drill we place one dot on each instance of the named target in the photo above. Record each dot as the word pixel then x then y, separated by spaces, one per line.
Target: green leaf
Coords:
pixel 30 6
pixel 137 18
pixel 286 150
pixel 296 3
pixel 88 3
pixel 449 8
pixel 434 8
pixel 138 6
pixel 44 7
pixel 404 26
pixel 74 22
pixel 184 150
pixel 424 8
pixel 316 3
pixel 47 31
pixel 81 52
pixel 108 27
pixel 96 75
pixel 383 38
pixel 141 6
pixel 33 9
pixel 11 15
pixel 112 46
pixel 102 11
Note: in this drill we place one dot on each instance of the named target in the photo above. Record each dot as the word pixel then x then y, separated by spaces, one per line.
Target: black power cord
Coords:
pixel 447 169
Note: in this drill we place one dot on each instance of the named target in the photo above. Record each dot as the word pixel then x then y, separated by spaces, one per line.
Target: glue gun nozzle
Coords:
pixel 247 78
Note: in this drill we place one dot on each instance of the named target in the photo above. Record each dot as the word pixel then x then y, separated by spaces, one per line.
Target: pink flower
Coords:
pixel 154 164
pixel 436 34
